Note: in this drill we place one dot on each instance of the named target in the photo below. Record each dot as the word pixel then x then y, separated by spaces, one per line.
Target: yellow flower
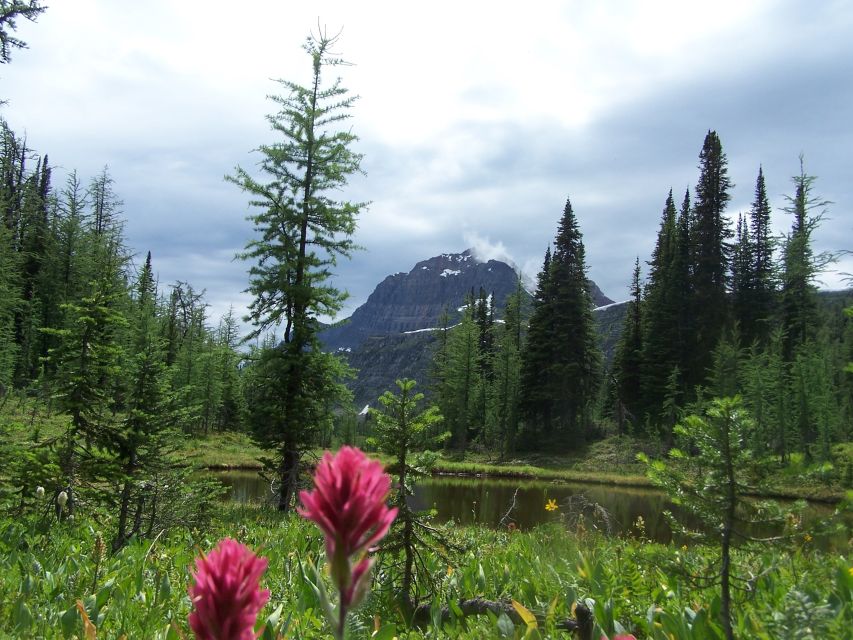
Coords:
pixel 807 538
pixel 684 547
pixel 551 505
pixel 850 571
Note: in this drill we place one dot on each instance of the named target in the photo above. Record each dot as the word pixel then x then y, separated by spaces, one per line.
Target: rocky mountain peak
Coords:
pixel 415 301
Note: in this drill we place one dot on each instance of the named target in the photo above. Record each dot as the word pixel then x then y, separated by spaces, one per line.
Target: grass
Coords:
pixel 630 583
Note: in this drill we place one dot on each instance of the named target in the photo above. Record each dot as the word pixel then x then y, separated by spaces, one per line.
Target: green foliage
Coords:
pixel 709 479
pixel 562 359
pixel 10 11
pixel 634 585
pixel 302 230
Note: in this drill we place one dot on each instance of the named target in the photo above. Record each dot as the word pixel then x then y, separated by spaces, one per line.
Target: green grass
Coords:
pixel 642 587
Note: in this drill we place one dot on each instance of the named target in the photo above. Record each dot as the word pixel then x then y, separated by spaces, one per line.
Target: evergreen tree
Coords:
pixel 662 316
pixel 302 232
pixel 10 11
pixel 742 280
pixel 503 395
pixel 709 234
pixel 800 266
pixel 10 295
pixel 401 428
pixel 536 402
pixel 142 441
pixel 763 283
pixel 628 360
pixel 572 357
pixel 463 380
pixel 710 479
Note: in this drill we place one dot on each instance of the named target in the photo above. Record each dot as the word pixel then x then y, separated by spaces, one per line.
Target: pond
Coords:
pixel 497 502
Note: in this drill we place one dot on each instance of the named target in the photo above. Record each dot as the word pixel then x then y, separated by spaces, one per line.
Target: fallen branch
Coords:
pixel 582 625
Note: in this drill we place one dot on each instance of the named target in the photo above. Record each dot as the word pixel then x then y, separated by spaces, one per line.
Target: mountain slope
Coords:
pixel 415 300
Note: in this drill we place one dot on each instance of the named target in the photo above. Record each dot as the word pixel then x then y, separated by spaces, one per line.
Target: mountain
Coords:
pixel 389 337
pixel 415 301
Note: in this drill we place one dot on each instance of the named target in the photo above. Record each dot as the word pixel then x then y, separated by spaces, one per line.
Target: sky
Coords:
pixel 477 120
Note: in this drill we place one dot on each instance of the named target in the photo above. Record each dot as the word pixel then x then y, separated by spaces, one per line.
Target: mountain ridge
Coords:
pixel 415 300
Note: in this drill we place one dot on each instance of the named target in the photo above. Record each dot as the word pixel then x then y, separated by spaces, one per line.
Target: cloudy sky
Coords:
pixel 477 119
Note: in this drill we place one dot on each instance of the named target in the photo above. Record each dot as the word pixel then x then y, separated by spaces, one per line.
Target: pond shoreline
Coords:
pixel 572 476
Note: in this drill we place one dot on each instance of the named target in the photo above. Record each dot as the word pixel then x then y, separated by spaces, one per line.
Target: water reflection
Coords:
pixel 495 502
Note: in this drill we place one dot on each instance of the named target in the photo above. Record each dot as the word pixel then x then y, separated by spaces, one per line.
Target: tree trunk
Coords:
pixel 288 476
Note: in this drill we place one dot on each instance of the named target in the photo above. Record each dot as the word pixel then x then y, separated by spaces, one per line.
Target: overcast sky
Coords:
pixel 477 120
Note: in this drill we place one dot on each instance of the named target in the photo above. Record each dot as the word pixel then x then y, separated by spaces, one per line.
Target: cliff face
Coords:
pixel 415 300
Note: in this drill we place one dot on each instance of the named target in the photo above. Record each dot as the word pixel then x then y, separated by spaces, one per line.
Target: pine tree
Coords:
pixel 536 402
pixel 800 266
pixel 10 11
pixel 662 312
pixel 763 283
pixel 302 232
pixel 570 353
pixel 710 266
pixel 742 281
pixel 463 380
pixel 628 360
pixel 503 395
pixel 401 427
pixel 142 442
pixel 10 295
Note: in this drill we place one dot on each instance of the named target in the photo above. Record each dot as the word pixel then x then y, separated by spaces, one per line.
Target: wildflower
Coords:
pixel 226 594
pixel 348 504
pixel 807 538
pixel 62 498
pixel 39 492
pixel 684 547
pixel 551 505
pixel 850 571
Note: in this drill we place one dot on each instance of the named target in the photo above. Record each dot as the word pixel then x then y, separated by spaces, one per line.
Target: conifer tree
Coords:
pixel 710 266
pixel 569 354
pixel 662 312
pixel 10 295
pixel 536 403
pixel 502 415
pixel 10 11
pixel 628 360
pixel 800 266
pixel 763 284
pixel 302 232
pixel 742 280
pixel 463 380
pixel 142 441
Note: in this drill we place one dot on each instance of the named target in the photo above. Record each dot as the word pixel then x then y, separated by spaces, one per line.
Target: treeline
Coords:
pixel 723 311
pixel 76 308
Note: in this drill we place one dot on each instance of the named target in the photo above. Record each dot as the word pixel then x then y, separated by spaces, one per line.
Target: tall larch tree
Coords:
pixel 302 230
pixel 800 266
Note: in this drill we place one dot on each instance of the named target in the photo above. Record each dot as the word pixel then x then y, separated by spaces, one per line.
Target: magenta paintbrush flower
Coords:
pixel 226 593
pixel 348 504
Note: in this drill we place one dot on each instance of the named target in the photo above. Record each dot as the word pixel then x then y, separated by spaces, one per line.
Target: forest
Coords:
pixel 732 384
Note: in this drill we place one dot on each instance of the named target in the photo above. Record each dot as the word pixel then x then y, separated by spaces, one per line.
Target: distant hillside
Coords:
pixel 415 300
pixel 390 337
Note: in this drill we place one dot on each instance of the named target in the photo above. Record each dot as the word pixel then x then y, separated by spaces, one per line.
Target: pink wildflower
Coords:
pixel 226 594
pixel 348 504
